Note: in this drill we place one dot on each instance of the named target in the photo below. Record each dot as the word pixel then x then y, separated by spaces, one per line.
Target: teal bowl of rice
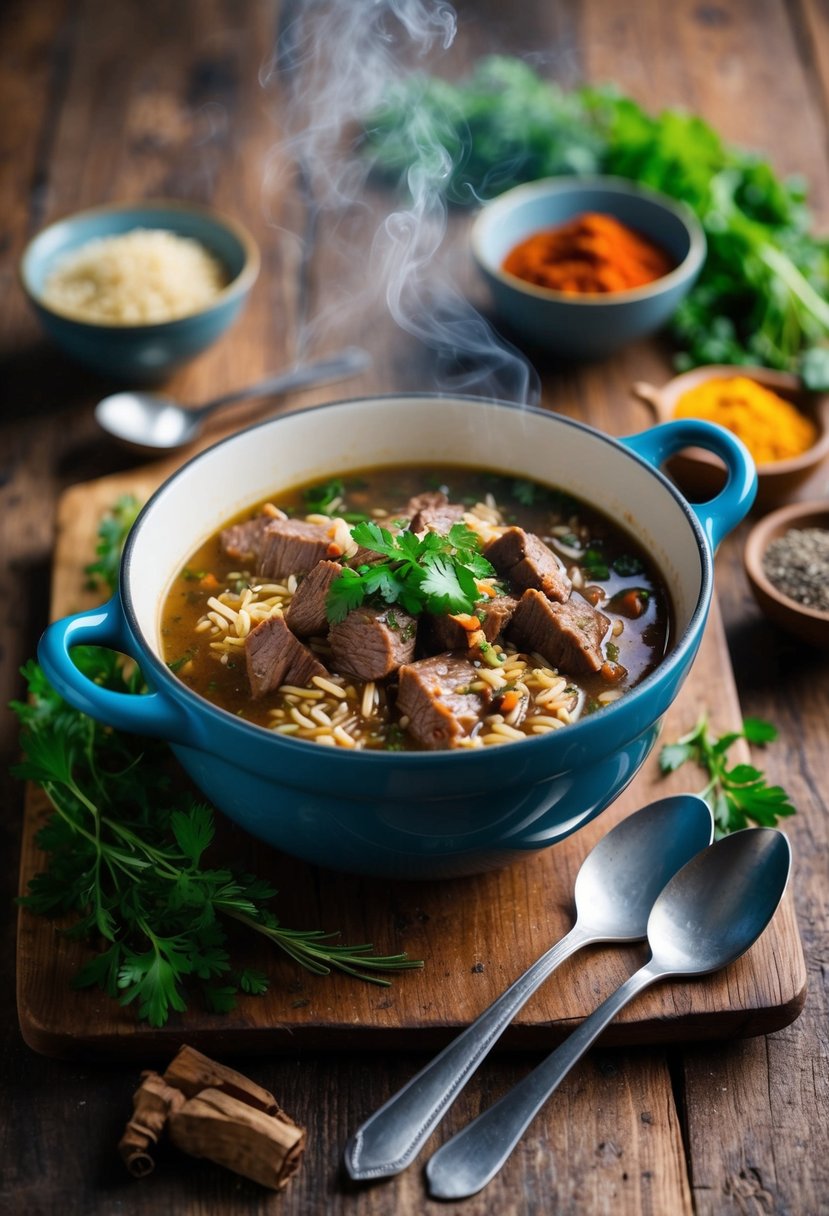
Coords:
pixel 134 290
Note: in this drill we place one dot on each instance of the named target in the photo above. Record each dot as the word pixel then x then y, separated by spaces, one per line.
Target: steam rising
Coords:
pixel 334 63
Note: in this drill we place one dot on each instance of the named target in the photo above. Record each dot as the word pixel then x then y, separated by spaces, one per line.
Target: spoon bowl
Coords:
pixel 153 422
pixel 718 904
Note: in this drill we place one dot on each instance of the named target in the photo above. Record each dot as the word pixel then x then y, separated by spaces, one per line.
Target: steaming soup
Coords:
pixel 412 608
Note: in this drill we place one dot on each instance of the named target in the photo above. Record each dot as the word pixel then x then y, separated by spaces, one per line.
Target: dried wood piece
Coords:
pixel 191 1072
pixel 266 1148
pixel 152 1102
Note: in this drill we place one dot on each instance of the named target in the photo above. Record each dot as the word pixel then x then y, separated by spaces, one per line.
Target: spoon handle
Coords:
pixel 391 1138
pixel 468 1161
pixel 347 362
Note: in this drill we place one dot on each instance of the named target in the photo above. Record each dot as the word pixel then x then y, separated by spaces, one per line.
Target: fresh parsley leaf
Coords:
pixel 758 731
pixel 112 533
pixel 736 795
pixel 345 594
pixel 433 573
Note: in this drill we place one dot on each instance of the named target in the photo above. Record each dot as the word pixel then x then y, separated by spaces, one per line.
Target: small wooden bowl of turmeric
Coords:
pixel 783 425
pixel 578 267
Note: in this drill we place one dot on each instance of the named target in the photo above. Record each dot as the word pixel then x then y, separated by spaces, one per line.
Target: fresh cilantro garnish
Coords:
pixel 127 855
pixel 735 795
pixel 435 573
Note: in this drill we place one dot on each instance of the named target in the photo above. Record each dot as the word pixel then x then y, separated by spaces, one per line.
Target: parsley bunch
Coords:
pixel 735 795
pixel 436 573
pixel 127 853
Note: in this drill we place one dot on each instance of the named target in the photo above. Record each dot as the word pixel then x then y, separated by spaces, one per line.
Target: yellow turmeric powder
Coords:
pixel 592 253
pixel 770 427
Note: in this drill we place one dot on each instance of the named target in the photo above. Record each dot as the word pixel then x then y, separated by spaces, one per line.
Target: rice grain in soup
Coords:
pixel 141 277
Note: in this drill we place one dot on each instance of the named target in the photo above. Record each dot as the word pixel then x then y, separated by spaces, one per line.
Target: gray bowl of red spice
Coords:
pixel 580 266
pixel 787 564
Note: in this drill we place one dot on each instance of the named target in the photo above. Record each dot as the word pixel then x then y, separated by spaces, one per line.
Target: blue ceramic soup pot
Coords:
pixel 412 814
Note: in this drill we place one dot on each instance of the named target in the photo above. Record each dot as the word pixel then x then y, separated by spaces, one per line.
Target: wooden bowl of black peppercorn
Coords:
pixel 787 564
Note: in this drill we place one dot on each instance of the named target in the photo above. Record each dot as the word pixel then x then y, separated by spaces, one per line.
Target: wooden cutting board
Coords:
pixel 474 934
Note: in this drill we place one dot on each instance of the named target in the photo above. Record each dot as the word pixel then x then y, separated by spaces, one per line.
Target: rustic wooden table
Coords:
pixel 116 99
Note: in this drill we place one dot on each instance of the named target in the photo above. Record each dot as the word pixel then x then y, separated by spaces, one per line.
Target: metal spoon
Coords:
pixel 149 420
pixel 707 916
pixel 614 893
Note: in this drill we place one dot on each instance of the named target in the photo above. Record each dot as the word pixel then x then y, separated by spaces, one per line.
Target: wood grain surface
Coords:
pixel 475 934
pixel 118 99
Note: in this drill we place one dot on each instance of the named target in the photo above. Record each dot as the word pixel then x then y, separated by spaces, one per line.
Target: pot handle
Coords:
pixel 722 513
pixel 152 713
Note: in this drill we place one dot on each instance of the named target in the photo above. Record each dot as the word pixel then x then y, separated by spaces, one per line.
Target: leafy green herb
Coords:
pixel 177 664
pixel 320 498
pixel 627 564
pixel 127 855
pixel 326 499
pixel 112 533
pixel 595 564
pixel 735 795
pixel 762 294
pixel 434 573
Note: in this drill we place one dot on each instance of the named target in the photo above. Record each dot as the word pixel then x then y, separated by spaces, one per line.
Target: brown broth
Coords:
pixel 611 560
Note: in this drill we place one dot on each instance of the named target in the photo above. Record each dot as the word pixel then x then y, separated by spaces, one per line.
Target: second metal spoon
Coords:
pixel 614 893
pixel 152 421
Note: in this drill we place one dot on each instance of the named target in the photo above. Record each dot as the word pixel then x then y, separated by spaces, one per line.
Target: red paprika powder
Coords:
pixel 591 254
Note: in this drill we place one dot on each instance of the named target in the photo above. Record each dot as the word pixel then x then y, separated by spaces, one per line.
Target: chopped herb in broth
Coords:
pixel 400 608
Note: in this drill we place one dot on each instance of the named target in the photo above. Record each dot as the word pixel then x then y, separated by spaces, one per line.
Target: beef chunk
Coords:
pixel 446 633
pixel 434 695
pixel 527 562
pixel 291 546
pixel 497 613
pixel 371 643
pixel 569 636
pixel 306 613
pixel 242 541
pixel 433 510
pixel 275 657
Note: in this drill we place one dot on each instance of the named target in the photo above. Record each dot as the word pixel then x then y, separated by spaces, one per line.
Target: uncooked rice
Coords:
pixel 141 277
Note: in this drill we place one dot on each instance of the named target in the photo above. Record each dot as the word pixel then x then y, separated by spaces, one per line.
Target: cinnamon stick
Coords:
pixel 152 1102
pixel 267 1148
pixel 215 1112
pixel 191 1072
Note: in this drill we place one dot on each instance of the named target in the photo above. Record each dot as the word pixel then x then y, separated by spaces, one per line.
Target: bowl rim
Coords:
pixel 237 286
pixel 687 641
pixel 758 541
pixel 769 377
pixel 612 185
